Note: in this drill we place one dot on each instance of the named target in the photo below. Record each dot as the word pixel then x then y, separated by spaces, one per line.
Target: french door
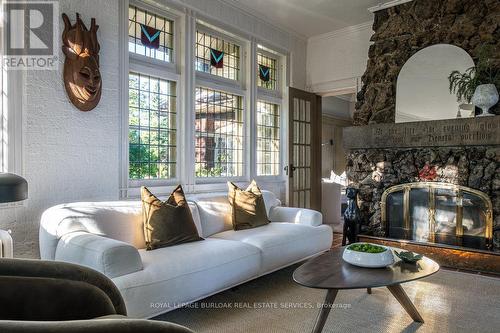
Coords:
pixel 304 155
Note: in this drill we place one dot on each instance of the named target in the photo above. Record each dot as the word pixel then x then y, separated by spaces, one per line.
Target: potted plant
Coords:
pixel 478 83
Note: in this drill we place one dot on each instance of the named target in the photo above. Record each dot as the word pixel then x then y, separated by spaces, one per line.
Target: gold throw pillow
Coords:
pixel 247 206
pixel 167 223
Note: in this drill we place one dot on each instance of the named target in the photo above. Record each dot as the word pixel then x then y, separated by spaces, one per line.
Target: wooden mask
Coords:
pixel 82 78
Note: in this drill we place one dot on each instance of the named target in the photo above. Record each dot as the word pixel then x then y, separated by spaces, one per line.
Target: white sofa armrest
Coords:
pixel 109 256
pixel 296 215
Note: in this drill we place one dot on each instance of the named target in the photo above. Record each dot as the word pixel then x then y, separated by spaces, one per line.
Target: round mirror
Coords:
pixel 422 91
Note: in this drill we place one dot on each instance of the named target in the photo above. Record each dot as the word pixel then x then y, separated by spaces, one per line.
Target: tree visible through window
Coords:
pixel 152 127
pixel 219 134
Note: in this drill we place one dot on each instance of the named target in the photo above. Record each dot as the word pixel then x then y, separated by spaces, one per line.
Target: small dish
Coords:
pixel 408 256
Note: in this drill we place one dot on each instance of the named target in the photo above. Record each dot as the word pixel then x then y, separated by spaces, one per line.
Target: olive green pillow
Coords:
pixel 167 223
pixel 247 207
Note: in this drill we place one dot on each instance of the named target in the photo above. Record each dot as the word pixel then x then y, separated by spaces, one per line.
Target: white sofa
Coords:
pixel 108 237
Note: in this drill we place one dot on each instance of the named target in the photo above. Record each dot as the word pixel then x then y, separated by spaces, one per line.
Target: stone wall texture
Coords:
pixel 375 170
pixel 403 30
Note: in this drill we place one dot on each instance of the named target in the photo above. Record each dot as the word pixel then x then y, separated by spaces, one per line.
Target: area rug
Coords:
pixel 448 301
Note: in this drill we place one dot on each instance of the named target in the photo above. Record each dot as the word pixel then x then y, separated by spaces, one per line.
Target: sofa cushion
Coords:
pixel 282 243
pixel 215 212
pixel 167 223
pixel 173 276
pixel 248 209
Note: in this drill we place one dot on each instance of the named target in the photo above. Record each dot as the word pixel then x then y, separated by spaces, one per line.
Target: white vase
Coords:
pixel 485 96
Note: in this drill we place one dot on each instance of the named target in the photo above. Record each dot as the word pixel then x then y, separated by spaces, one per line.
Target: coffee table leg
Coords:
pixel 398 292
pixel 325 310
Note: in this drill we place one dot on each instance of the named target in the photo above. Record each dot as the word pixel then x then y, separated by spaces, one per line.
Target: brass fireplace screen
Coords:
pixel 438 213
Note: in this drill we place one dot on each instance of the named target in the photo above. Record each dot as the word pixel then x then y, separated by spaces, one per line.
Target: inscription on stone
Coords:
pixel 453 132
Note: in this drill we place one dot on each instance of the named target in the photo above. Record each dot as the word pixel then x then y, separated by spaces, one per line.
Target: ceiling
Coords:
pixel 311 17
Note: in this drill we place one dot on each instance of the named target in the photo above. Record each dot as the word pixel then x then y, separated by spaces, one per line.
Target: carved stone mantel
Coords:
pixel 481 131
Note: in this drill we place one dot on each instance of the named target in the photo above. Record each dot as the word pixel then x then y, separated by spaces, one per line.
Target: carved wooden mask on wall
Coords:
pixel 82 78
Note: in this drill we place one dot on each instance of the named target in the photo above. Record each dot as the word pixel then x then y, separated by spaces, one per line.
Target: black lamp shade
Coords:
pixel 12 188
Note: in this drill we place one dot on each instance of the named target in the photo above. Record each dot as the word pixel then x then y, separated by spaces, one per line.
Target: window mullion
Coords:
pixel 252 105
pixel 187 154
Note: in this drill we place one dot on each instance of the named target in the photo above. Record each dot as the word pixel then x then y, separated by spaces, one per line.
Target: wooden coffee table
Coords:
pixel 329 271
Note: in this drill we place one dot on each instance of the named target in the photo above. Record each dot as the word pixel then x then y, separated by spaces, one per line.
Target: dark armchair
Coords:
pixel 47 296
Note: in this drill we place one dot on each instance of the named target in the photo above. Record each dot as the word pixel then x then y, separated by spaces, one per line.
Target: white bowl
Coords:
pixel 370 260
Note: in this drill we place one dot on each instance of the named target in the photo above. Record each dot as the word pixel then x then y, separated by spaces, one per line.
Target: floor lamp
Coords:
pixel 12 188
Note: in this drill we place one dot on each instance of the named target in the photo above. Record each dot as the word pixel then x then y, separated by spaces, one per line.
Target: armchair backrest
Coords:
pixel 51 290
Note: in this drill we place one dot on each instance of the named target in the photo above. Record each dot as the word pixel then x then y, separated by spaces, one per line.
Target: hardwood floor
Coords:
pixel 337 240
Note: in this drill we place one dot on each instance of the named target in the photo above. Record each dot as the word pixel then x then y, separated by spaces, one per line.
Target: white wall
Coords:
pixel 337 60
pixel 74 156
pixel 68 155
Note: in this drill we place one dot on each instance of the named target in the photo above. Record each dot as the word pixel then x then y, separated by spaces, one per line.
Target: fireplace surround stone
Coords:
pixel 403 153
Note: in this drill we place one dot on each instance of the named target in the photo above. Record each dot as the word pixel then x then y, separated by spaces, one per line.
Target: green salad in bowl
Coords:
pixel 367 248
pixel 368 255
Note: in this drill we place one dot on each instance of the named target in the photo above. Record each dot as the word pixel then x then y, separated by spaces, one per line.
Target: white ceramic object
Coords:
pixel 485 96
pixel 370 260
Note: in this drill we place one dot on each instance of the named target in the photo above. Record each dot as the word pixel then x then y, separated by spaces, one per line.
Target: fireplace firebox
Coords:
pixel 436 212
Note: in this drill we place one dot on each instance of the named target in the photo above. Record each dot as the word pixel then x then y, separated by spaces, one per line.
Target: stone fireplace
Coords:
pixel 461 155
pixel 426 175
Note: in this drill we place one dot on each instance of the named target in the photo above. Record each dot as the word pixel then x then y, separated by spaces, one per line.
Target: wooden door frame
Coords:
pixel 315 143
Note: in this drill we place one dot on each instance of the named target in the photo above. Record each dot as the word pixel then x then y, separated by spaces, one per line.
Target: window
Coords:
pixel 151 121
pixel 153 28
pixel 268 139
pixel 268 109
pixel 152 127
pixel 236 127
pixel 208 46
pixel 266 72
pixel 219 134
pixel 11 114
pixel 219 106
pixel 3 118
